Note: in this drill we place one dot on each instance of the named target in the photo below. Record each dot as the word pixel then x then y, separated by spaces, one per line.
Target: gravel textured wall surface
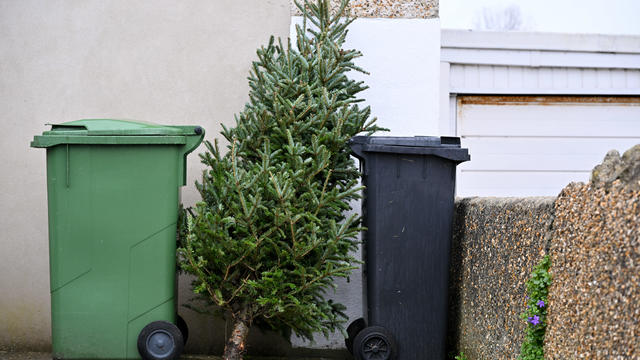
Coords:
pixel 592 232
pixel 594 299
pixel 421 9
pixel 496 243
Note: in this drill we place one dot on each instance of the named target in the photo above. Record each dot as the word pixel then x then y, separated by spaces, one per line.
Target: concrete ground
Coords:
pixel 4 355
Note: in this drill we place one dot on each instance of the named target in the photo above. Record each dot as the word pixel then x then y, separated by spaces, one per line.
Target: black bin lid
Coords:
pixel 447 147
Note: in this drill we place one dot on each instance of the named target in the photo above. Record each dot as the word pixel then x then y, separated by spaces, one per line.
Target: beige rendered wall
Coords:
pixel 165 61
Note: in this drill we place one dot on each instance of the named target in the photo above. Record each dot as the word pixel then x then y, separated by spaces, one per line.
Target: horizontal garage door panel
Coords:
pixel 549 120
pixel 536 145
pixel 505 183
pixel 544 154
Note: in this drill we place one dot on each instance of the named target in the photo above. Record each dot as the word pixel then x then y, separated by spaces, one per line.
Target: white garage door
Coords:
pixel 535 145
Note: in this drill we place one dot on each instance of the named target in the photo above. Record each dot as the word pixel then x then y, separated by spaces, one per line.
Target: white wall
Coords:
pixel 161 61
pixel 403 59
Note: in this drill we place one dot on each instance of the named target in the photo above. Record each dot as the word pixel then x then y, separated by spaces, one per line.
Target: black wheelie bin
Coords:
pixel 408 211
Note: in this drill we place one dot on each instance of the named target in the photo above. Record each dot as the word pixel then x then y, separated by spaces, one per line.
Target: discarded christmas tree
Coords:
pixel 271 235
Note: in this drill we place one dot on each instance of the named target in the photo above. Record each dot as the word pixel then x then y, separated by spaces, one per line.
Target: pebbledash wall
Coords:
pixel 592 232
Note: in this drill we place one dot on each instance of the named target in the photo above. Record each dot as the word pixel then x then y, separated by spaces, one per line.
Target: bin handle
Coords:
pixel 192 143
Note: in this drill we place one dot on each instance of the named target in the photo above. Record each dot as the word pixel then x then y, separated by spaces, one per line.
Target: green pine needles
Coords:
pixel 271 235
pixel 536 313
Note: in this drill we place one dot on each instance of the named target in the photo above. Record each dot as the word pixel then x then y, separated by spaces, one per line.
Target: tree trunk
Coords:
pixel 235 347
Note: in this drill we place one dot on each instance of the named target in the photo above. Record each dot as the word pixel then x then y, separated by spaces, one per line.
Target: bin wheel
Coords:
pixel 160 340
pixel 374 343
pixel 352 331
pixel 184 329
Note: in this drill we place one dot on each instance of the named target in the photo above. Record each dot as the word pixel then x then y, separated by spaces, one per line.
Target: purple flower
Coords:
pixel 534 320
pixel 540 303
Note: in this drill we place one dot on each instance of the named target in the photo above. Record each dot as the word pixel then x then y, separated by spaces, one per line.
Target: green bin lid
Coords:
pixel 113 131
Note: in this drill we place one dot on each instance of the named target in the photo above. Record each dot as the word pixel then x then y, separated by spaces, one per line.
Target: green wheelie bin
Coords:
pixel 113 191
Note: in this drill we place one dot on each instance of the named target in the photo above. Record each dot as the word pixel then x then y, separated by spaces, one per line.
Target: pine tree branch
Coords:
pixel 239 288
pixel 201 275
pixel 324 190
pixel 324 276
pixel 286 211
